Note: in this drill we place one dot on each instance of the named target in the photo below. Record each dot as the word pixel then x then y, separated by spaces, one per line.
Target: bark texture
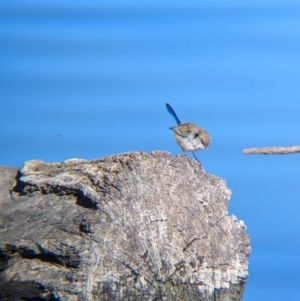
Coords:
pixel 135 226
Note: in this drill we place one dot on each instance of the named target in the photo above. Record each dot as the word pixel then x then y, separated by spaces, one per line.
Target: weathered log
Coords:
pixel 134 226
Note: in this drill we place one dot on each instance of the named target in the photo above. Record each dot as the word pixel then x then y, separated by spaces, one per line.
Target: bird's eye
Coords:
pixel 196 135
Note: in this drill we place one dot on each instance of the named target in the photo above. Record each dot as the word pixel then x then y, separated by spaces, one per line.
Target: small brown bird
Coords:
pixel 188 136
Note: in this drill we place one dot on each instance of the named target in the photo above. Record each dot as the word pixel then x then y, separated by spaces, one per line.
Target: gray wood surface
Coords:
pixel 134 226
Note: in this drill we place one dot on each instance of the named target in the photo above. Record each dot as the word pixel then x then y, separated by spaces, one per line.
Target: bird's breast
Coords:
pixel 189 143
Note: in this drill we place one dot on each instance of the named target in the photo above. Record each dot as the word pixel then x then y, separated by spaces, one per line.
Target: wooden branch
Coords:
pixel 274 150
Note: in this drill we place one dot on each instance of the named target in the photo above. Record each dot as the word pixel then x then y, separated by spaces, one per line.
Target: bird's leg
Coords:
pixel 196 157
pixel 185 153
pixel 189 157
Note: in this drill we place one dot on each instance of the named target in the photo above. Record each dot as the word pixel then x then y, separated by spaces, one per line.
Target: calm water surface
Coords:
pixel 89 80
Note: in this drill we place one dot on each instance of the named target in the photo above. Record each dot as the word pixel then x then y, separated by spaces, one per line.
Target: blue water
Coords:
pixel 88 80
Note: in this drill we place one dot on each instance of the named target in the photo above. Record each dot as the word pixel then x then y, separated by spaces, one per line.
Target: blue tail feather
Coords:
pixel 172 112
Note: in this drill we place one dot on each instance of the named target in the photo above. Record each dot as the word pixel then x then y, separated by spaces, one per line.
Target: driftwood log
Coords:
pixel 134 226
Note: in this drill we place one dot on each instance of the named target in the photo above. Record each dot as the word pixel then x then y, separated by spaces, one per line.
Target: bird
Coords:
pixel 189 137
